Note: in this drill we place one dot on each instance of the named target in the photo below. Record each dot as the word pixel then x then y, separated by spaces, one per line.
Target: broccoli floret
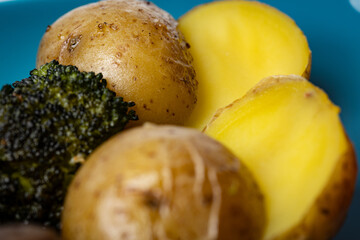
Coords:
pixel 49 123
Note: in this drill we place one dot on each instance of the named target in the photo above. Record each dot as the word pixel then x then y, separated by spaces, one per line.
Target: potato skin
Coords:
pixel 325 218
pixel 163 182
pixel 137 47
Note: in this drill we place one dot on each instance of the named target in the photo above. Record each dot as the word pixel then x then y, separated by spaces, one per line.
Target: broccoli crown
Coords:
pixel 49 123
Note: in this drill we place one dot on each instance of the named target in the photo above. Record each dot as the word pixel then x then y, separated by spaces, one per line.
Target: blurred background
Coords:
pixel 331 26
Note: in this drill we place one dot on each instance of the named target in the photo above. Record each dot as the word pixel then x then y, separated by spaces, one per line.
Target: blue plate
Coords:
pixel 332 28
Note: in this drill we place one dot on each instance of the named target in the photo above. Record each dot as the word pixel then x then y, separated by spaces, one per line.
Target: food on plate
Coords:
pixel 163 182
pixel 289 134
pixel 139 50
pixel 234 45
pixel 49 123
pixel 273 162
pixel 26 232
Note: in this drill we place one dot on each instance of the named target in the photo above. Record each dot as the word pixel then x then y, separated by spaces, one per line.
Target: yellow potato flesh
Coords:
pixel 235 44
pixel 290 136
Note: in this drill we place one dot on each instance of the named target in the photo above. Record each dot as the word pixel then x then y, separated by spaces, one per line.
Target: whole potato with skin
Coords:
pixel 163 182
pixel 138 49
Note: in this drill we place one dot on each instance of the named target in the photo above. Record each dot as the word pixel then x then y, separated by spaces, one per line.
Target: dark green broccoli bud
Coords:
pixel 49 123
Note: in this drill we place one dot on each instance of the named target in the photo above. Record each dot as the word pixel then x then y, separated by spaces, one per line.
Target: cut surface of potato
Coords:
pixel 289 135
pixel 137 48
pixel 235 44
pixel 163 182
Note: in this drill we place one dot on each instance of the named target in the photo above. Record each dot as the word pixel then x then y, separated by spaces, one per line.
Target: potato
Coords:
pixel 290 136
pixel 26 232
pixel 163 182
pixel 235 44
pixel 138 49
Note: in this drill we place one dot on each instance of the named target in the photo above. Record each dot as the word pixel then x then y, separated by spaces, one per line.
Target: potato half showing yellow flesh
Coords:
pixel 235 44
pixel 289 135
pixel 163 182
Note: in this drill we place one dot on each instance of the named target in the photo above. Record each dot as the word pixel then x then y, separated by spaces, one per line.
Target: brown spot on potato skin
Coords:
pixel 309 94
pixel 325 211
pixel 101 6
pixel 151 154
pixel 125 235
pixel 48 28
pixel 117 64
pixel 100 26
pixel 72 42
pixel 97 194
pixel 113 26
pixel 207 199
pixel 151 200
pixel 76 184
pixel 146 107
pixel 119 179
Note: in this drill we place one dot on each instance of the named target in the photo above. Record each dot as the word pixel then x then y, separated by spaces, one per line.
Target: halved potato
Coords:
pixel 290 136
pixel 163 182
pixel 235 44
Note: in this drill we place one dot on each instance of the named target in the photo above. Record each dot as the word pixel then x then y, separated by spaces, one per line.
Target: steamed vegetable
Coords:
pixel 49 123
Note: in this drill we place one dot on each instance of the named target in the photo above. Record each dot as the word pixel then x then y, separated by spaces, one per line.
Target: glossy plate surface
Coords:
pixel 331 26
